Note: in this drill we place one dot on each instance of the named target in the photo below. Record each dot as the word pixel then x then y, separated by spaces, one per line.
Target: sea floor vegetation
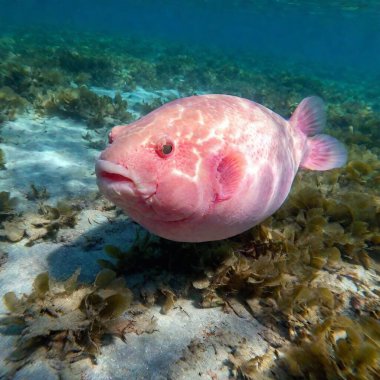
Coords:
pixel 309 274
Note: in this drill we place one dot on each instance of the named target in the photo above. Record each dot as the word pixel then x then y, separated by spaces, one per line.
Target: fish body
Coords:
pixel 209 167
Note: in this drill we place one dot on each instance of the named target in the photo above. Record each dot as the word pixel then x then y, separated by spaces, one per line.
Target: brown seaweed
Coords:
pixel 338 348
pixel 97 111
pixel 7 205
pixel 68 320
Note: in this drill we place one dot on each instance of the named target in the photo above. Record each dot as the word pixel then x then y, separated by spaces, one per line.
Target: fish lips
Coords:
pixel 116 181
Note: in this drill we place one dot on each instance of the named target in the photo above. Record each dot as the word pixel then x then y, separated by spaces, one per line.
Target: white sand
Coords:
pixel 49 153
pixel 152 356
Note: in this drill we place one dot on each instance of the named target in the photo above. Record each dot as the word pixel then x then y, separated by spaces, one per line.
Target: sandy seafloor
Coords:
pixel 51 152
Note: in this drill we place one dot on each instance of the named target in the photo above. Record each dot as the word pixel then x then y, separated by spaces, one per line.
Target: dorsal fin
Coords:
pixel 309 116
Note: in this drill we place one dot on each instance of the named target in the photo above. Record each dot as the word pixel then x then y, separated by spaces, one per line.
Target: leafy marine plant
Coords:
pixel 97 111
pixel 10 104
pixel 2 160
pixel 338 348
pixel 146 107
pixel 7 205
pixel 16 76
pixel 122 261
pixel 42 225
pixel 99 67
pixel 37 193
pixel 67 320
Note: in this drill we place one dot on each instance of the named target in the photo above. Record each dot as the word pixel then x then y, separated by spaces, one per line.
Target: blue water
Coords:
pixel 340 34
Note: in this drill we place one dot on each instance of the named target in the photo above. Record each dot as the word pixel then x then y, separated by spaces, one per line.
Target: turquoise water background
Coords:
pixel 342 35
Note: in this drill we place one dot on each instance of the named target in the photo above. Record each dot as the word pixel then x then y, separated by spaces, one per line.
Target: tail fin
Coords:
pixel 323 152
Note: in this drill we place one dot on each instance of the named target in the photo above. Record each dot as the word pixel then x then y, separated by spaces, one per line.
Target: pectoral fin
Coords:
pixel 229 174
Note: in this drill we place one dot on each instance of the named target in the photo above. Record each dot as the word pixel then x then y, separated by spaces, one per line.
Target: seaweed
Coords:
pixel 67 320
pixel 16 76
pixel 97 111
pixel 251 369
pixel 101 70
pixel 10 104
pixel 339 347
pixel 144 108
pixel 285 272
pixel 3 258
pixel 2 160
pixel 94 143
pixel 42 225
pixel 49 221
pixel 7 205
pixel 36 193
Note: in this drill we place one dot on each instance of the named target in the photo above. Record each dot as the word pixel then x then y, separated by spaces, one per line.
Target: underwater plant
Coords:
pixel 11 103
pixel 100 68
pixel 7 205
pixel 16 76
pixel 144 108
pixel 2 160
pixel 97 111
pixel 67 320
pixel 3 258
pixel 42 225
pixel 338 348
pixel 37 193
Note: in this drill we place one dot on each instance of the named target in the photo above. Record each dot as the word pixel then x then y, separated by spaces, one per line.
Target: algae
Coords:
pixel 97 111
pixel 7 205
pixel 337 348
pixel 37 193
pixel 67 320
pixel 2 160
pixel 11 104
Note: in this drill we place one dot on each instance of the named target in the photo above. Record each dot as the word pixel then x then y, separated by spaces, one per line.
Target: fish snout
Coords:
pixel 112 172
pixel 120 184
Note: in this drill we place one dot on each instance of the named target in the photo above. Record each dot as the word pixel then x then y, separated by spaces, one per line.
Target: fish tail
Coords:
pixel 322 152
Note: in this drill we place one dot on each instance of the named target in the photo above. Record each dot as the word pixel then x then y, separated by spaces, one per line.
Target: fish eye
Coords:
pixel 165 147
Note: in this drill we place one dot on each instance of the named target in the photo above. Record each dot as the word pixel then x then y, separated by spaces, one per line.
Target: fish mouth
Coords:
pixel 117 184
pixel 112 172
pixel 116 181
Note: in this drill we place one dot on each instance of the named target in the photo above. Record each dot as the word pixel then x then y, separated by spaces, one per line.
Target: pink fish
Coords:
pixel 212 166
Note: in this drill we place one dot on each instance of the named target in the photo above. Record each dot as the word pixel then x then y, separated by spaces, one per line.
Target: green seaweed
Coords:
pixel 2 160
